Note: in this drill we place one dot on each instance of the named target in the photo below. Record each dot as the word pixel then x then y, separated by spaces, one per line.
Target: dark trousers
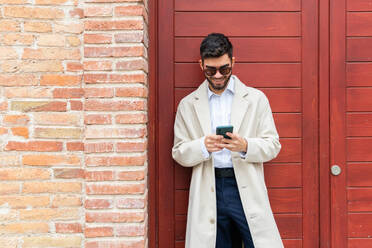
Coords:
pixel 232 226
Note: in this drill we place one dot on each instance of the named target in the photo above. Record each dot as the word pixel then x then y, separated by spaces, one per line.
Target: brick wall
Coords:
pixel 73 133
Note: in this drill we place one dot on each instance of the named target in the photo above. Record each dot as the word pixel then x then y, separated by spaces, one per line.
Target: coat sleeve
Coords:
pixel 265 146
pixel 186 151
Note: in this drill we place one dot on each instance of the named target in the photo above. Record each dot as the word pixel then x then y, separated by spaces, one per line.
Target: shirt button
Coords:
pixel 212 221
pixel 212 189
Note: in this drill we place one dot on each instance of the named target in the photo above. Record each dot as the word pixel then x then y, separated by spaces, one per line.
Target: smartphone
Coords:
pixel 222 130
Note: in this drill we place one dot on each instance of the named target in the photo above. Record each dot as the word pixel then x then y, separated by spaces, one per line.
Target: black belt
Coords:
pixel 224 172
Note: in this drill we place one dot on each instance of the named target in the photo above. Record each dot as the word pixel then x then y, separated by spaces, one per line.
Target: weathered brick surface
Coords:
pixel 73 125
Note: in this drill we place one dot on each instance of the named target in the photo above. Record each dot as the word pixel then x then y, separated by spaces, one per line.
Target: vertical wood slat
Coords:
pixel 337 122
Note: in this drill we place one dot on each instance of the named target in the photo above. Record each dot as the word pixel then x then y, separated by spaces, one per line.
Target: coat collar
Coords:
pixel 239 105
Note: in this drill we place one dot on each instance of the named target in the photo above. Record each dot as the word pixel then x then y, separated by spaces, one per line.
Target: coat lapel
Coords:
pixel 201 105
pixel 239 105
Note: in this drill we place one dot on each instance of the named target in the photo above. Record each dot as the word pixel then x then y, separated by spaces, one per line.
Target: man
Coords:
pixel 228 196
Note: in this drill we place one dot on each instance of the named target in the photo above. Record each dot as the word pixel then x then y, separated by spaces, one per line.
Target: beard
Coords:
pixel 219 87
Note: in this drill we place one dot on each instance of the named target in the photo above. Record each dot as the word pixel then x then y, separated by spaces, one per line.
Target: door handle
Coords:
pixel 335 170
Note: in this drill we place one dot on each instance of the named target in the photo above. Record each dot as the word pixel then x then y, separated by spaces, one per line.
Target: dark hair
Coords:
pixel 215 45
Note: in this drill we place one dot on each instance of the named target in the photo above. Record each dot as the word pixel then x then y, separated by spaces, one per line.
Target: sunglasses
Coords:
pixel 211 71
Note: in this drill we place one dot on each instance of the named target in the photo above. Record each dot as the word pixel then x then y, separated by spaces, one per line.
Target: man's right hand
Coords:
pixel 212 141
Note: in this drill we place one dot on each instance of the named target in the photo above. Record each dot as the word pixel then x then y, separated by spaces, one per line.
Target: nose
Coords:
pixel 218 74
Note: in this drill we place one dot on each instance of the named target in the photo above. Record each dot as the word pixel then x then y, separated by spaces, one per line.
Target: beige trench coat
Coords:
pixel 252 118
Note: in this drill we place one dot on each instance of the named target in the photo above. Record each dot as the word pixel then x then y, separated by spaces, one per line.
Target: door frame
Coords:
pixel 323 129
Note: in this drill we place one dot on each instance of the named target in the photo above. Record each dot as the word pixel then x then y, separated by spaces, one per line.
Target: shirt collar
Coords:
pixel 230 87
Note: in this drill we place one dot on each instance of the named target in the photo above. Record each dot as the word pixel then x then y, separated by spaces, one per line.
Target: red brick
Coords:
pixel 52 241
pixel 3 106
pixel 130 203
pixel 27 92
pixel 40 66
pixel 116 243
pixel 99 147
pixel 51 53
pixel 9 188
pixel 60 80
pixel 36 146
pixel 94 232
pixel 114 217
pixel 105 52
pixel 114 133
pixel 130 230
pixel 16 120
pixel 51 187
pixel 3 130
pixel 131 146
pixel 9 160
pixel 50 2
pixel 50 160
pixel 68 93
pixel 99 175
pixel 114 25
pixel 97 65
pixel 98 204
pixel 131 10
pixel 131 92
pixel 40 106
pixel 18 39
pixel 97 119
pixel 76 105
pixel 69 173
pixel 97 38
pixel 22 201
pixel 49 214
pixel 118 105
pixel 115 161
pixel 9 26
pixel 68 228
pixel 134 64
pixel 60 119
pixel 114 78
pixel 34 13
pixel 72 28
pixel 66 201
pixel 77 13
pixel 18 80
pixel 98 11
pixel 75 146
pixel 24 227
pixel 74 66
pixel 24 174
pixel 131 175
pixel 115 189
pixel 137 118
pixel 73 41
pixel 8 53
pixel 51 40
pixel 99 92
pixel 38 27
pixel 20 131
pixel 136 36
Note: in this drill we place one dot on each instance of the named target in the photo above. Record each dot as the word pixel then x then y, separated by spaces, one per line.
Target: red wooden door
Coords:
pixel 351 118
pixel 275 44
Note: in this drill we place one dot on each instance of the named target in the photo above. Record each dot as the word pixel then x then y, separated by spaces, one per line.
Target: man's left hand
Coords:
pixel 235 144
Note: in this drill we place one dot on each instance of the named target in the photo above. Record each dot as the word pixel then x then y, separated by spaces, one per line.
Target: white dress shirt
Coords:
pixel 220 113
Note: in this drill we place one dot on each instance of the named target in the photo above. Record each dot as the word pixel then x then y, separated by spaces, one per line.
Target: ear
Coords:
pixel 201 64
pixel 232 61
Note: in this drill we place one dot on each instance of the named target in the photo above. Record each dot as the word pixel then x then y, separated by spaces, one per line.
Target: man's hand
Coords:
pixel 235 144
pixel 212 142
